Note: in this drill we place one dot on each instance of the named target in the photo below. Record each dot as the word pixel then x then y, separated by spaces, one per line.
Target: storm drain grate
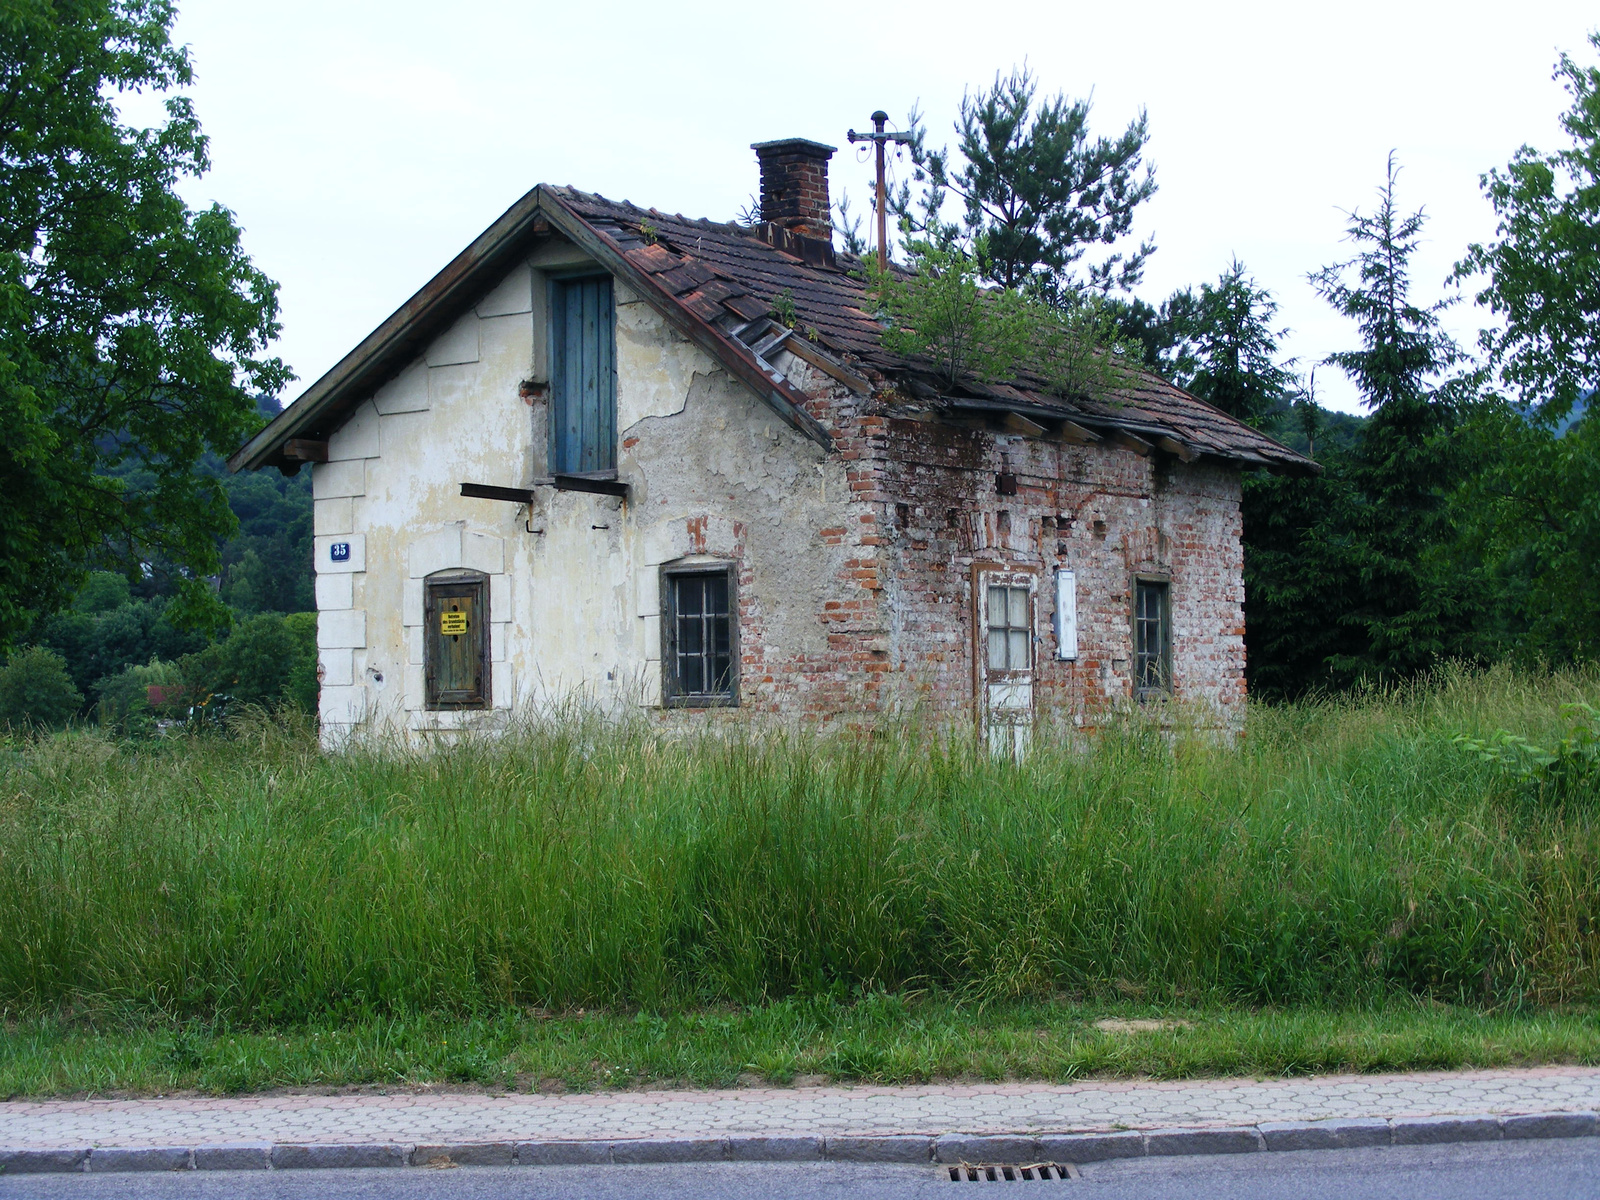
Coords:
pixel 1010 1172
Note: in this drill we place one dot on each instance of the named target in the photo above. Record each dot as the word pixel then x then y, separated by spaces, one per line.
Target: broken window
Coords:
pixel 1152 639
pixel 583 392
pixel 456 640
pixel 1010 628
pixel 699 627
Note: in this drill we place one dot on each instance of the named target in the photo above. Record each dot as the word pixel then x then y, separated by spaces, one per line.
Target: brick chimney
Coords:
pixel 794 186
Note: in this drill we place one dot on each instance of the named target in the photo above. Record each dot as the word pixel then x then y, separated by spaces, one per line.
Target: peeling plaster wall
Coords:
pixel 574 600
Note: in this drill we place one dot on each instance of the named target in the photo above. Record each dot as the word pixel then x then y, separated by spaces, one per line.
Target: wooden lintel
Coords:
pixel 802 349
pixel 1129 442
pixel 305 450
pixel 1184 453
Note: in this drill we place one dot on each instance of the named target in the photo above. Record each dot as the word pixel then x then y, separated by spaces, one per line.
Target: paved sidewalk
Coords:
pixel 832 1112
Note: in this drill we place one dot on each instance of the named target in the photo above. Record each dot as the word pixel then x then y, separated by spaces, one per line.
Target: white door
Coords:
pixel 1005 656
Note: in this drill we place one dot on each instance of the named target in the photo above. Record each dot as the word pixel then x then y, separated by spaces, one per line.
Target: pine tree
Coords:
pixel 1035 188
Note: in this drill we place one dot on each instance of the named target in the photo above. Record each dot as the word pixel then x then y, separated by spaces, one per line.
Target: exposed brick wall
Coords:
pixel 923 507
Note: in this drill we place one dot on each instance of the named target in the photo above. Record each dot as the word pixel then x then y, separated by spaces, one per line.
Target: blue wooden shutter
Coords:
pixel 583 413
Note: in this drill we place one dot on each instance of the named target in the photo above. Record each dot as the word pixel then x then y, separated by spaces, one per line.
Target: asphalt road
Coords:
pixel 1529 1170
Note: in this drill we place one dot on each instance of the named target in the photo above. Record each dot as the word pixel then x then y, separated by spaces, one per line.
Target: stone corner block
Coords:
pixel 1331 1134
pixel 1203 1141
pixel 239 1156
pixel 894 1148
pixel 464 1154
pixel 774 1149
pixel 979 1148
pixel 40 1162
pixel 1551 1125
pixel 296 1157
pixel 563 1154
pixel 668 1150
pixel 1428 1131
pixel 139 1158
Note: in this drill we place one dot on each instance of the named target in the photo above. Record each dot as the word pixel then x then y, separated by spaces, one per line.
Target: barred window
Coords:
pixel 1152 639
pixel 700 630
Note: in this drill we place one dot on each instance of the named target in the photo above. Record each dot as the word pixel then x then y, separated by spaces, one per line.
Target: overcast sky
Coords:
pixel 363 144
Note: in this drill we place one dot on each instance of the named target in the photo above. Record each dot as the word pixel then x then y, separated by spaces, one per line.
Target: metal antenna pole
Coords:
pixel 879 139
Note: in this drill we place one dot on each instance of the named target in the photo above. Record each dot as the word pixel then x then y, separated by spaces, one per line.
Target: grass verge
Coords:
pixel 879 1039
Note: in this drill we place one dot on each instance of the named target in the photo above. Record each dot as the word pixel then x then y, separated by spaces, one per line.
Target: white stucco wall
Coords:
pixel 574 581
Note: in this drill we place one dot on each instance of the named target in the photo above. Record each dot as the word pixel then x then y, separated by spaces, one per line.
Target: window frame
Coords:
pixel 1163 690
pixel 434 588
pixel 672 693
pixel 555 367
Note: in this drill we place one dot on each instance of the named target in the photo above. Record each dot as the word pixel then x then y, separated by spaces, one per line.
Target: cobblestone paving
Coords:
pixel 410 1117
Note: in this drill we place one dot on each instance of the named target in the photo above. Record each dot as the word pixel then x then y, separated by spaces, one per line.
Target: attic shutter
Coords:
pixel 456 642
pixel 583 406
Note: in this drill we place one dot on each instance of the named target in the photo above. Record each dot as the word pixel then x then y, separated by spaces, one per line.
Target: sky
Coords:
pixel 362 145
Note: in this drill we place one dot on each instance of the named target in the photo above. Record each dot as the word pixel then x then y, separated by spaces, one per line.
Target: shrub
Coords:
pixel 35 690
pixel 268 660
pixel 124 704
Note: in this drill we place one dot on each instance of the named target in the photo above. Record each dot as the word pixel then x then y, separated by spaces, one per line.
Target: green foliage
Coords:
pixel 1036 191
pixel 103 592
pixel 1339 853
pixel 941 314
pixel 35 690
pixel 266 565
pixel 132 329
pixel 1543 267
pixel 1569 768
pixel 783 307
pixel 1351 576
pixel 124 706
pixel 268 660
pixel 103 642
pixel 1219 344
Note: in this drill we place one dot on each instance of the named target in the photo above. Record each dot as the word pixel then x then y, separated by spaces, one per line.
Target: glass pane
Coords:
pixel 1019 608
pixel 997 608
pixel 716 594
pixel 688 596
pixel 997 649
pixel 689 635
pixel 1019 649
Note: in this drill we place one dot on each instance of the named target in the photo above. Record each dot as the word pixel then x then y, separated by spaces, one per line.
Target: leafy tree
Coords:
pixel 132 329
pixel 1036 189
pixel 36 691
pixel 267 660
pixel 1543 268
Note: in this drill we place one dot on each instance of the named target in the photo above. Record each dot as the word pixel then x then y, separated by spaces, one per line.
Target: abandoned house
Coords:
pixel 662 462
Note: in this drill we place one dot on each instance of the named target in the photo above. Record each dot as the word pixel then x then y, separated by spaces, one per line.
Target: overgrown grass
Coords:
pixel 877 1038
pixel 1343 855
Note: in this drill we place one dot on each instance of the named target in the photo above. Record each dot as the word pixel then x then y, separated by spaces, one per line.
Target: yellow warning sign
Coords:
pixel 452 623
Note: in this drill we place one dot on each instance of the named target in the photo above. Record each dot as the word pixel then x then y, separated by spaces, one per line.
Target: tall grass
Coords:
pixel 1341 852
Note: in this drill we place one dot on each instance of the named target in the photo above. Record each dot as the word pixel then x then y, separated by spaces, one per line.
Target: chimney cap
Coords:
pixel 795 146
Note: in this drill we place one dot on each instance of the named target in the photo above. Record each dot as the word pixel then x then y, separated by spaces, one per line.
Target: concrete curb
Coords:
pixel 1332 1134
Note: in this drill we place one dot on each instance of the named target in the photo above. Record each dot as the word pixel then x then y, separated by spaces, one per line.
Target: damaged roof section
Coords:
pixel 721 285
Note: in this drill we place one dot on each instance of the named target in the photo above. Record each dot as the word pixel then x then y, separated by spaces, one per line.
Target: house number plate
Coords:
pixel 339 552
pixel 452 623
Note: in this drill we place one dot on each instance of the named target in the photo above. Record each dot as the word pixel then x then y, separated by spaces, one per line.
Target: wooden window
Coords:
pixel 583 393
pixel 1066 614
pixel 1152 638
pixel 700 636
pixel 456 640
pixel 1010 628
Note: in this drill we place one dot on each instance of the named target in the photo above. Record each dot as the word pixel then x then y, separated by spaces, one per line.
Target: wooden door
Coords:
pixel 456 642
pixel 1004 653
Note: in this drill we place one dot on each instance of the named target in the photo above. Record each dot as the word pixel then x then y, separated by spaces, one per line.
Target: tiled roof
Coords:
pixel 730 276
